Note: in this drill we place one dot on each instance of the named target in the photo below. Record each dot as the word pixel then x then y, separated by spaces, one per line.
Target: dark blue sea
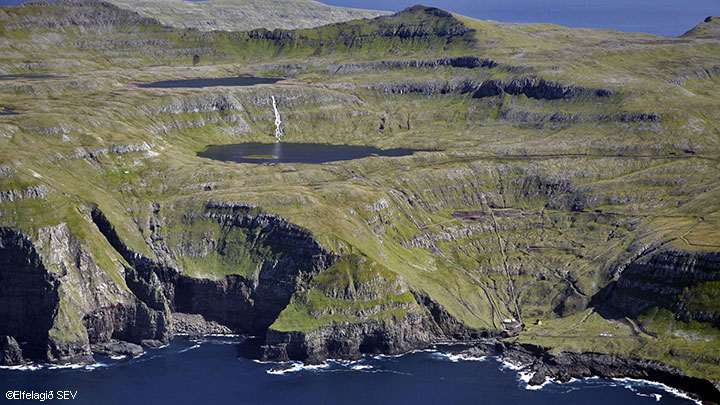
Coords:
pixel 215 371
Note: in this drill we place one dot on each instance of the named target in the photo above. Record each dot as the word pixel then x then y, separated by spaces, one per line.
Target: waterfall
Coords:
pixel 278 121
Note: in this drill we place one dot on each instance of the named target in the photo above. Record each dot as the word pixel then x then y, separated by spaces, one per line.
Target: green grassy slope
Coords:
pixel 240 15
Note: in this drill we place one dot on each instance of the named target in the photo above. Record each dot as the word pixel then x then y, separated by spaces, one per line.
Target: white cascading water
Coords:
pixel 278 121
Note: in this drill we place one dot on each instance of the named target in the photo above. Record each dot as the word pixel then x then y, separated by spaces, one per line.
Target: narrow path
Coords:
pixel 501 245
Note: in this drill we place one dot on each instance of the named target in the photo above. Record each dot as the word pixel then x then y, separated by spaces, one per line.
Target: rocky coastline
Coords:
pixel 539 362
pixel 565 366
pixel 166 303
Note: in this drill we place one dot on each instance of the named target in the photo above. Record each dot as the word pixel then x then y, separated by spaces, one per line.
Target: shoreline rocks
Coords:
pixel 11 352
pixel 564 366
pixel 196 324
pixel 118 348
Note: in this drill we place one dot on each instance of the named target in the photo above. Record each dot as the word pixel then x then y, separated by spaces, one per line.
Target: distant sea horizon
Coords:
pixel 669 18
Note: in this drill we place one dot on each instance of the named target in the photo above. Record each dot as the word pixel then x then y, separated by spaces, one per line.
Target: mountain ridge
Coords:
pixel 244 15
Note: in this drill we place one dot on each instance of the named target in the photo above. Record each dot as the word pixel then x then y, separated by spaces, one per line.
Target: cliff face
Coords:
pixel 28 293
pixel 57 303
pixel 681 282
pixel 310 304
pixel 356 307
pixel 348 341
pixel 48 284
pixel 536 88
pixel 280 255
pixel 565 366
pixel 267 259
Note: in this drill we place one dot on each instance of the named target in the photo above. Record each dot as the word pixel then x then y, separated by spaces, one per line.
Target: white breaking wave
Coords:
pixel 510 366
pixel 455 358
pixel 626 383
pixel 361 367
pixel 76 366
pixel 40 366
pixel 525 376
pixel 23 367
pixel 189 348
pixel 297 366
pixel 662 386
pixel 393 356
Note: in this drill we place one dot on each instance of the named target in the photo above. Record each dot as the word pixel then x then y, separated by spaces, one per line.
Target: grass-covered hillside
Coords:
pixel 565 174
pixel 239 15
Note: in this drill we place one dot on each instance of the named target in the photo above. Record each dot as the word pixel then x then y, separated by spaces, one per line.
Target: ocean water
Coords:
pixel 282 152
pixel 215 371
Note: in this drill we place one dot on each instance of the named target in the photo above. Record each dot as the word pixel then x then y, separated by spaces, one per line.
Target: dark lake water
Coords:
pixel 188 372
pixel 7 111
pixel 28 76
pixel 311 153
pixel 210 82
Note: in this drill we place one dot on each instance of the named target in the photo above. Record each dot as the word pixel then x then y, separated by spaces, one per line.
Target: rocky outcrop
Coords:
pixel 67 13
pixel 468 62
pixel 348 341
pixel 116 149
pixel 358 307
pixel 674 280
pixel 28 293
pixel 117 348
pixel 148 317
pixel 565 366
pixel 203 103
pixel 425 87
pixel 196 324
pixel 10 351
pixel 634 117
pixel 530 87
pixel 707 74
pixel 130 323
pixel 444 325
pixel 40 191
pixel 6 171
pixel 419 24
pixel 57 301
pixel 558 118
pixel 419 21
pixel 285 255
pixel 536 88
